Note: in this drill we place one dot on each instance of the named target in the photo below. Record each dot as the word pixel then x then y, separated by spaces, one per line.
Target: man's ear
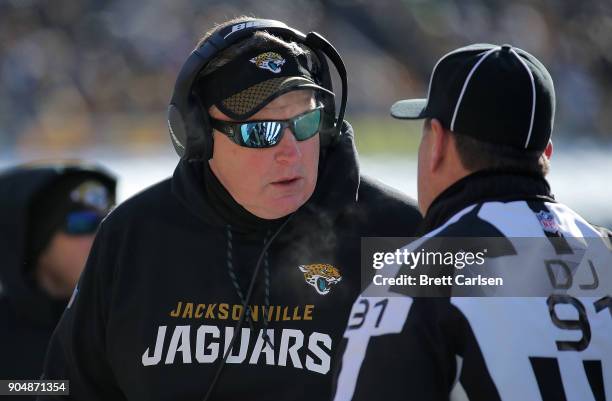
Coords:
pixel 439 143
pixel 549 150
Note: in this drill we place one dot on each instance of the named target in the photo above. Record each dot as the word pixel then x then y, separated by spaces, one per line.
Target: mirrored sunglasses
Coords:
pixel 82 222
pixel 267 133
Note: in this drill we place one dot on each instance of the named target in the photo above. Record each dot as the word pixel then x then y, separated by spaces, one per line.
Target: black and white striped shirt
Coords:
pixel 495 348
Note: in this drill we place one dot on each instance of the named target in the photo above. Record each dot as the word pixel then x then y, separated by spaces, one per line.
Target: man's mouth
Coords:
pixel 286 181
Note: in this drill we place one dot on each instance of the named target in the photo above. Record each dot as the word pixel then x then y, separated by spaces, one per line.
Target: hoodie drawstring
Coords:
pixel 249 294
pixel 230 269
pixel 234 278
pixel 265 335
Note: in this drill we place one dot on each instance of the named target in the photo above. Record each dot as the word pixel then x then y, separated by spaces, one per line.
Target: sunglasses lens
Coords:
pixel 84 222
pixel 261 134
pixel 307 126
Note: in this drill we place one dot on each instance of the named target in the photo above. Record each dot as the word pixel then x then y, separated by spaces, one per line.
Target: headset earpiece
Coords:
pixel 316 41
pixel 177 129
pixel 329 134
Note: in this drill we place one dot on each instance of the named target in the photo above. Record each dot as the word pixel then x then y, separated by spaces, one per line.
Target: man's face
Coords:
pixel 271 182
pixel 61 263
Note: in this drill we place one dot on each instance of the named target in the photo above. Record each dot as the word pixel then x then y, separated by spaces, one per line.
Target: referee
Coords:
pixel 482 163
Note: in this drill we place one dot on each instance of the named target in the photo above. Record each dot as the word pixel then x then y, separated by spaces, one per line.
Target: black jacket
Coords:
pixel 479 348
pixel 27 315
pixel 163 288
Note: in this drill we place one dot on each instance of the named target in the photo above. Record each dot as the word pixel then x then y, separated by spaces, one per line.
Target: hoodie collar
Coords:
pixel 199 190
pixel 223 205
pixel 480 187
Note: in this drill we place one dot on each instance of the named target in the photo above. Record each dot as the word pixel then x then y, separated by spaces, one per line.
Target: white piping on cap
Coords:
pixel 465 84
pixel 533 96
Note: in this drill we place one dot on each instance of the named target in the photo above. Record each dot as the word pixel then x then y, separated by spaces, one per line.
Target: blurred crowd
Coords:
pixel 83 72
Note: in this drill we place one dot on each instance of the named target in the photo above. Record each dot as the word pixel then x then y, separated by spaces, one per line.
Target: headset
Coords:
pixel 188 122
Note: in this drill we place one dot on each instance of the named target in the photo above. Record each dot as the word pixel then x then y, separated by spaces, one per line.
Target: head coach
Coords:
pixel 233 279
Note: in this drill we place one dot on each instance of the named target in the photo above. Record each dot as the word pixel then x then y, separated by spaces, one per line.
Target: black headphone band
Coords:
pixel 187 126
pixel 316 41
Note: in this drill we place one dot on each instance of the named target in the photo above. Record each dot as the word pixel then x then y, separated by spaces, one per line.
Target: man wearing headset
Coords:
pixel 49 213
pixel 233 279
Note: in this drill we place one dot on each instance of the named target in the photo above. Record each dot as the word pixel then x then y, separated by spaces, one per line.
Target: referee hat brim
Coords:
pixel 410 109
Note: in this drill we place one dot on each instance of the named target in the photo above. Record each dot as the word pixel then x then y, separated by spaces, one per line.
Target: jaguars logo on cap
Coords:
pixel 92 194
pixel 269 61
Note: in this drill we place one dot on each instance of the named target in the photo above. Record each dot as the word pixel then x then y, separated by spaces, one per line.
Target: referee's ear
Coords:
pixel 549 150
pixel 440 142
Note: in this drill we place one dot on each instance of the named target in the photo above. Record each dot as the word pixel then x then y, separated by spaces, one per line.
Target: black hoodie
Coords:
pixel 165 283
pixel 27 314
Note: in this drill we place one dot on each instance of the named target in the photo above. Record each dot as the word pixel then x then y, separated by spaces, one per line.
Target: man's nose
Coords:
pixel 287 150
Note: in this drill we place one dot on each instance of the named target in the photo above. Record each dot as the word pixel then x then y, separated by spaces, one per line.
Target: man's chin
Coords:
pixel 286 205
pixel 282 205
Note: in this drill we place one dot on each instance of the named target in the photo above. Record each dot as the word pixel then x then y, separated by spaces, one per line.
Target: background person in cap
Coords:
pixel 482 160
pixel 276 206
pixel 48 216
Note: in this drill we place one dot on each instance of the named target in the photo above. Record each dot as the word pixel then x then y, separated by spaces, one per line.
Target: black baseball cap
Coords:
pixel 253 79
pixel 495 94
pixel 72 192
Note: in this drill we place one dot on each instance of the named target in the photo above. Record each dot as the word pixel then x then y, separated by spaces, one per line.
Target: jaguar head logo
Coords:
pixel 92 194
pixel 321 276
pixel 269 61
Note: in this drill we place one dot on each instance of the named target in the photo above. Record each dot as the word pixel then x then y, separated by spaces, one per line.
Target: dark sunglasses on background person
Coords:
pixel 82 222
pixel 267 133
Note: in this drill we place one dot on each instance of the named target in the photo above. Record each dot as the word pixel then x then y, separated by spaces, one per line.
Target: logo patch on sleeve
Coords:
pixel 321 276
pixel 547 221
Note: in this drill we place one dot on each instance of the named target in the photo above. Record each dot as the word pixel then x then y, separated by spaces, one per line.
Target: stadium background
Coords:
pixel 91 79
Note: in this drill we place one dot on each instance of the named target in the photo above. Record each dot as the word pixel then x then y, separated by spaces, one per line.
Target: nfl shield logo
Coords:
pixel 547 221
